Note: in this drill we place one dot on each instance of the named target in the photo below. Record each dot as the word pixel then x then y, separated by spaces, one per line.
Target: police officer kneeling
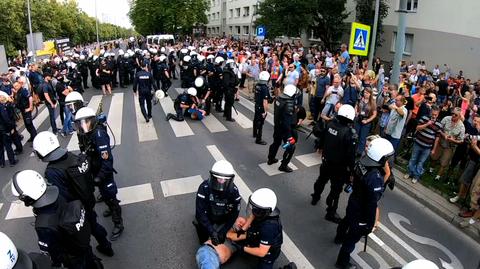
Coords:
pixel 217 204
pixel 61 226
pixel 368 187
pixel 337 142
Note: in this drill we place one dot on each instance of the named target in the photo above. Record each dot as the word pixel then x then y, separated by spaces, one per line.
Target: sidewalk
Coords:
pixel 428 197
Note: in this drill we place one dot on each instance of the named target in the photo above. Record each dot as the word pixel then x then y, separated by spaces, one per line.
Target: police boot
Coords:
pixel 105 250
pixel 315 199
pixel 291 265
pixel 117 231
pixel 333 217
pixel 285 168
pixel 272 161
pixel 169 116
pixel 343 261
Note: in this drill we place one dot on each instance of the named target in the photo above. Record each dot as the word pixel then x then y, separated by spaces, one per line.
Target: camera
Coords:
pixel 469 138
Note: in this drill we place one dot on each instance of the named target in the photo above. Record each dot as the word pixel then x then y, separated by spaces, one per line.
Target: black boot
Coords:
pixel 315 199
pixel 285 168
pixel 272 161
pixel 117 231
pixel 105 250
pixel 333 217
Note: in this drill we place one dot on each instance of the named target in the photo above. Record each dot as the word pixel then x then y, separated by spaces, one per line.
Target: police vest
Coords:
pixel 253 233
pixel 220 208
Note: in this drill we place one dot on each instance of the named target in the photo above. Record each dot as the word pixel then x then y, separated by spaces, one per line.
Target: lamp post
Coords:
pixel 30 28
pixel 399 41
pixel 374 35
pixel 96 24
pixel 251 21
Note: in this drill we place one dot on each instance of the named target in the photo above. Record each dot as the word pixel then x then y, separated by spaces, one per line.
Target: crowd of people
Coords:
pixel 361 122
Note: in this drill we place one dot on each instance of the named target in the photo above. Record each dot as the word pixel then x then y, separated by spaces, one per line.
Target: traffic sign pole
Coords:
pixel 374 34
pixel 399 41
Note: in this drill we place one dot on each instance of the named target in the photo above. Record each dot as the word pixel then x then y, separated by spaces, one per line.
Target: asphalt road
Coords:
pixel 158 210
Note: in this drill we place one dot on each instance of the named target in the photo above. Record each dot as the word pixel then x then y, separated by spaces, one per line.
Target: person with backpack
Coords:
pixel 61 226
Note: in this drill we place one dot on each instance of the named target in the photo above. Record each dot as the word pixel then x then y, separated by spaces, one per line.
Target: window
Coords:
pixel 231 13
pixel 230 28
pixel 213 16
pixel 237 30
pixel 218 15
pixel 408 43
pixel 412 5
pixel 237 12
pixel 255 9
pixel 245 30
pixel 213 3
pixel 246 11
pixel 218 30
pixel 209 17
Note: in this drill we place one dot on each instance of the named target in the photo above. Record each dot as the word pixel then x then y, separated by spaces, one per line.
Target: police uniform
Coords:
pixel 143 83
pixel 7 125
pixel 162 71
pixel 368 187
pixel 182 99
pixel 202 92
pixel 266 231
pixel 101 160
pixel 338 142
pixel 261 94
pixel 171 65
pixel 71 174
pixel 229 82
pixel 122 71
pixel 216 212
pixel 93 66
pixel 283 129
pixel 83 68
pixel 217 89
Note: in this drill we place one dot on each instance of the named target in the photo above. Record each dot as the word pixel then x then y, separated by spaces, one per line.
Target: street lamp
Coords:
pixel 96 24
pixel 30 28
pixel 399 41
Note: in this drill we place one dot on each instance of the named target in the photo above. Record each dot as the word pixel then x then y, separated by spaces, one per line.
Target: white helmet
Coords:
pixel 219 60
pixel 129 51
pixel 162 58
pixel 30 54
pixel 221 176
pixel 121 52
pixel 264 76
pixel 132 39
pixel 76 55
pixel 85 120
pixel 201 58
pixel 162 50
pixel 210 56
pixel 95 57
pixel 420 264
pixel 199 82
pixel 192 91
pixel 47 147
pixel 262 202
pixel 347 111
pixel 32 189
pixel 74 101
pixel 191 48
pixel 290 90
pixel 192 53
pixel 186 58
pixel 159 94
pixel 144 52
pixel 82 57
pixel 9 253
pixel 153 51
pixel 378 152
pixel 184 51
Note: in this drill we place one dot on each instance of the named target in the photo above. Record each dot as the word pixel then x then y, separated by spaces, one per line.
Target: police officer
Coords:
pixel 93 65
pixel 264 237
pixel 71 174
pixel 61 226
pixel 217 204
pixel 368 187
pixel 83 68
pixel 203 93
pixel 96 144
pixel 229 84
pixel 284 128
pixel 262 98
pixel 130 67
pixel 171 64
pixel 24 102
pixel 182 103
pixel 18 259
pixel 163 73
pixel 216 77
pixel 142 87
pixel 122 68
pixel 337 142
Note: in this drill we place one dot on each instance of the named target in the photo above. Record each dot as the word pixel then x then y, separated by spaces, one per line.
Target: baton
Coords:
pixel 234 108
pixel 365 246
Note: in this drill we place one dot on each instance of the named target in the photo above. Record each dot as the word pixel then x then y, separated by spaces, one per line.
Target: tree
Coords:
pixel 366 12
pixel 163 16
pixel 328 21
pixel 285 17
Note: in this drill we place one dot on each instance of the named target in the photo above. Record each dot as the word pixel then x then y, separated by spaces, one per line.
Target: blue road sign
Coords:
pixel 261 31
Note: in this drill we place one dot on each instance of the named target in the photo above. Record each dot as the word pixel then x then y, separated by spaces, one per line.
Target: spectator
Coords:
pixel 344 60
pixel 453 133
pixel 302 84
pixel 292 76
pixel 474 210
pixel 352 90
pixel 425 107
pixel 396 121
pixel 366 111
pixel 323 82
pixel 332 96
pixel 253 70
pixel 426 142
pixel 50 98
pixel 436 72
pixel 442 85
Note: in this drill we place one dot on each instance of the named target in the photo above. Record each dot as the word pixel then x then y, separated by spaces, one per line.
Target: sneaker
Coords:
pixel 454 199
pixel 466 223
pixel 430 170
pixel 414 180
pixel 406 176
pixel 437 177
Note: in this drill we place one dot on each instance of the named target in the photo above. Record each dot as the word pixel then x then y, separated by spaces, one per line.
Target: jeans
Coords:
pixel 67 123
pixel 441 99
pixel 51 114
pixel 207 258
pixel 418 158
pixel 362 131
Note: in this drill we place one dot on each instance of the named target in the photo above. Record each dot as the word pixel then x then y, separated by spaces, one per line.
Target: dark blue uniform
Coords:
pixel 143 83
pixel 162 73
pixel 261 94
pixel 48 89
pixel 216 212
pixel 368 187
pixel 266 231
pixel 182 99
pixel 216 83
pixel 7 126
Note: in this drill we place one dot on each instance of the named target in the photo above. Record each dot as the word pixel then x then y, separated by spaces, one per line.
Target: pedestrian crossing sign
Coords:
pixel 359 39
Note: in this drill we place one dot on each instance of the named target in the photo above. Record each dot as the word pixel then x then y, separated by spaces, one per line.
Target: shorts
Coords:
pixel 443 155
pixel 469 173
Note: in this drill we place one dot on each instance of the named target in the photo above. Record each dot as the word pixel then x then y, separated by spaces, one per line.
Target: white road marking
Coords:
pixel 354 255
pixel 146 130
pixel 379 259
pixel 401 242
pixel 135 194
pixel 180 128
pixel 289 248
pixel 115 114
pixel 250 106
pixel 272 170
pixel 181 186
pixel 93 104
pixel 210 121
pixel 241 119
pixel 390 251
pixel 19 210
pixel 310 159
